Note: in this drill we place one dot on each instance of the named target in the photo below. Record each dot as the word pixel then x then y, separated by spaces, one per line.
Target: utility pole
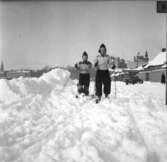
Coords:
pixel 162 8
pixel 166 60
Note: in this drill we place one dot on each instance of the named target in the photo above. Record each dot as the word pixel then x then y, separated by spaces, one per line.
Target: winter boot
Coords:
pixel 107 96
pixel 98 99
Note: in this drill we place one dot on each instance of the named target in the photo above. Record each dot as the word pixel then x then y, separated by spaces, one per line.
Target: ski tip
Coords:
pixel 97 101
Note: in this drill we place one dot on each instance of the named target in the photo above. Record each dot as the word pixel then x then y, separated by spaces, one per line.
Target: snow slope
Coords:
pixel 42 121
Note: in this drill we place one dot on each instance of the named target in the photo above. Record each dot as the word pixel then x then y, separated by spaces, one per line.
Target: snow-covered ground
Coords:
pixel 42 121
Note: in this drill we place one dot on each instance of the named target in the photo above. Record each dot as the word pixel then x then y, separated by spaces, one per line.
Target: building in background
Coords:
pixel 119 62
pixel 141 60
pixel 18 73
pixel 155 69
pixel 2 71
pixel 131 64
pixel 2 67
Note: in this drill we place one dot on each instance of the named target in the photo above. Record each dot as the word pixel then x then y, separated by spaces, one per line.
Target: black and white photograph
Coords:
pixel 83 81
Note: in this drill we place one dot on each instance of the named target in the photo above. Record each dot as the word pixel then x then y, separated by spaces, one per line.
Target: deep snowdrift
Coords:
pixel 42 121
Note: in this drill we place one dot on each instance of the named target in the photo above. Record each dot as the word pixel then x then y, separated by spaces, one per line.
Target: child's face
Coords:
pixel 102 51
pixel 84 58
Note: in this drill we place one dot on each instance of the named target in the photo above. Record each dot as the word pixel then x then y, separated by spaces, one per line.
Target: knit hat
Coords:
pixel 102 46
pixel 84 54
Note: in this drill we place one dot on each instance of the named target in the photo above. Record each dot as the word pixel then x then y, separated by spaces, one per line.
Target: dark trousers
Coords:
pixel 103 79
pixel 84 81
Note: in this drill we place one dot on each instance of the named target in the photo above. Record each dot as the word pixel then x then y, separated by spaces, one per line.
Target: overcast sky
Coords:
pixel 35 34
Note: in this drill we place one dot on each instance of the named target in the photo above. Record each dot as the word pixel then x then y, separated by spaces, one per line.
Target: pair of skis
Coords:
pixel 82 96
pixel 90 97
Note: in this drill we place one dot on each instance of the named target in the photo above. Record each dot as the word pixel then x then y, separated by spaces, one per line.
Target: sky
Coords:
pixel 40 33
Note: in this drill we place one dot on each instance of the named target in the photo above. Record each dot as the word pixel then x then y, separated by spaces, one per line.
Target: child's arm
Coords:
pixel 96 62
pixel 76 66
pixel 90 65
pixel 111 63
pixel 113 66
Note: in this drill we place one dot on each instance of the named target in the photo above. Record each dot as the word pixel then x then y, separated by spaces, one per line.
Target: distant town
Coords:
pixel 139 66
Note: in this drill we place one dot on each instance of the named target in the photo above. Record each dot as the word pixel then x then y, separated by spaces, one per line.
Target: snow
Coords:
pixel 139 68
pixel 42 121
pixel 160 59
pixel 164 66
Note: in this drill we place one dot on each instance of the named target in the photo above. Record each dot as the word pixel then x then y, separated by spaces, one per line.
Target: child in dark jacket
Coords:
pixel 84 68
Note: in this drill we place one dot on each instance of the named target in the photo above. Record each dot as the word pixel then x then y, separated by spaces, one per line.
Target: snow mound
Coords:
pixel 6 95
pixel 13 90
pixel 42 121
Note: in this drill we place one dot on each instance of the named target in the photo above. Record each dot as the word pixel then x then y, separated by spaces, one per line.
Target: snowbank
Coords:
pixel 42 121
pixel 13 90
pixel 139 68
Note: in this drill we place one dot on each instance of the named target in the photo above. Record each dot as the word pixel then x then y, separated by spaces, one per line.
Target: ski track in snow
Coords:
pixel 42 121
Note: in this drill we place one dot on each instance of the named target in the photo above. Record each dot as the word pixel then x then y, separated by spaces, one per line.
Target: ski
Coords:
pixel 91 97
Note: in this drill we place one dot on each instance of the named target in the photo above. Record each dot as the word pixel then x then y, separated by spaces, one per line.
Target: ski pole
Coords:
pixel 115 87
